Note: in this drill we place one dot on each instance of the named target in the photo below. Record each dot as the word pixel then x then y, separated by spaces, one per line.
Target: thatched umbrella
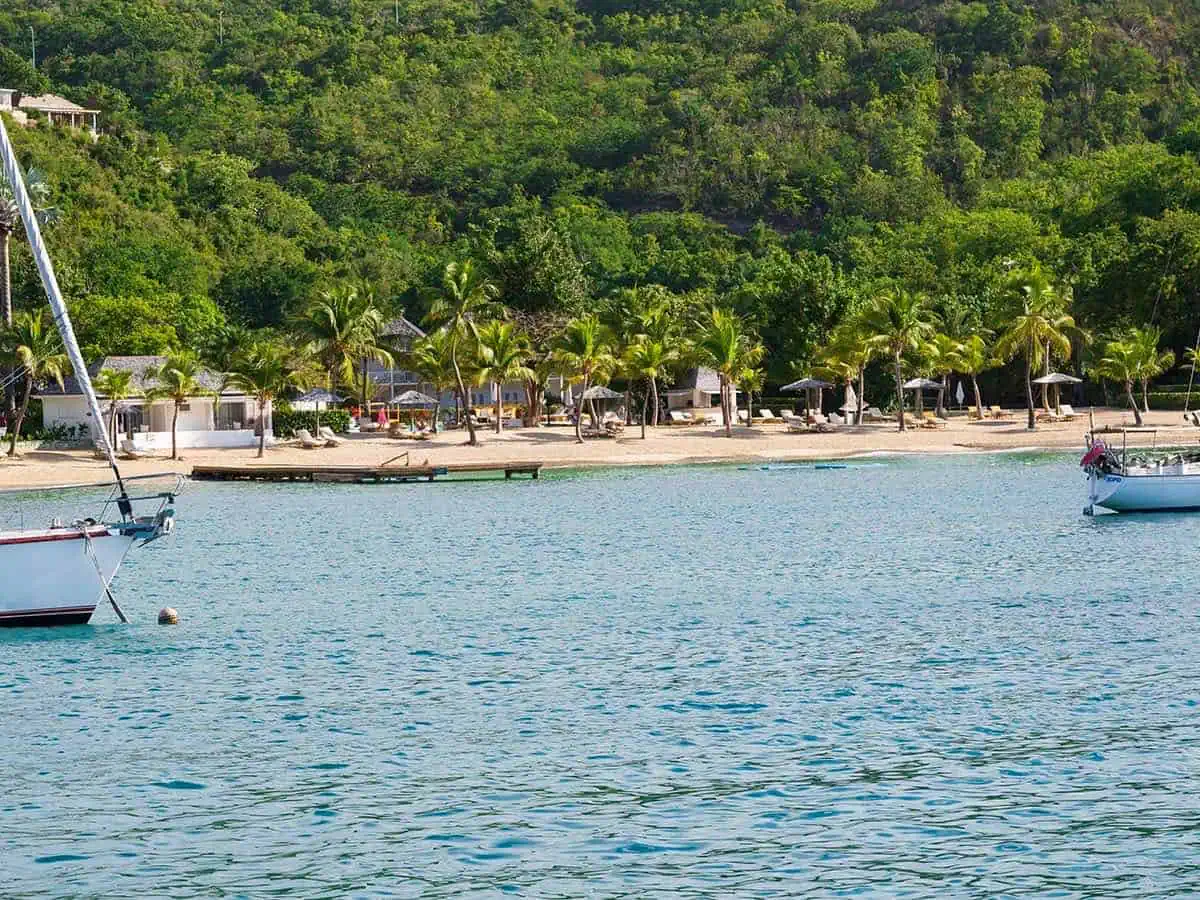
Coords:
pixel 1056 379
pixel 598 392
pixel 922 384
pixel 806 385
pixel 412 401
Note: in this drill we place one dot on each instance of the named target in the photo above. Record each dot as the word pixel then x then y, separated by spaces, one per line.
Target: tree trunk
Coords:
pixel 726 401
pixel 654 403
pixel 461 387
pixel 579 411
pixel 1032 424
pixel 899 390
pixel 112 424
pixel 499 406
pixel 1137 413
pixel 10 391
pixel 940 411
pixel 174 422
pixel 858 410
pixel 1046 368
pixel 645 399
pixel 978 396
pixel 15 427
pixel 749 409
pixel 264 407
pixel 628 404
pixel 1145 395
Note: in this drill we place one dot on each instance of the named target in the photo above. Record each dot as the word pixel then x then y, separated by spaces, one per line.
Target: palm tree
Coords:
pixel 650 359
pixel 343 329
pixel 899 322
pixel 10 219
pixel 430 357
pixel 1121 362
pixel 503 352
pixel 585 349
pixel 178 380
pixel 264 370
pixel 467 299
pixel 846 357
pixel 724 345
pixel 1152 362
pixel 116 385
pixel 1037 331
pixel 940 354
pixel 36 350
pixel 971 357
pixel 751 379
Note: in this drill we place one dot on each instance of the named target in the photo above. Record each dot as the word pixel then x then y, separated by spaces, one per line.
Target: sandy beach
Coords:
pixel 556 447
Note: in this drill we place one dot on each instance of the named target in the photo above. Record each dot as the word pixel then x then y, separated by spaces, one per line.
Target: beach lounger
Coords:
pixel 973 414
pixel 128 451
pixel 1066 413
pixel 767 416
pixel 741 417
pixel 997 413
pixel 331 439
pixel 875 414
pixel 929 420
pixel 307 441
pixel 796 424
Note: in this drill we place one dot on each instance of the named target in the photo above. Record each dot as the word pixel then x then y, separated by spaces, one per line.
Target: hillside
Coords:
pixel 785 156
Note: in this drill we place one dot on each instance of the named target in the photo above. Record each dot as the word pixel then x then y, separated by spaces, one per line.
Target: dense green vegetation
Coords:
pixel 789 160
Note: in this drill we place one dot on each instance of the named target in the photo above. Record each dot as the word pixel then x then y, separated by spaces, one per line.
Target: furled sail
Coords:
pixel 12 172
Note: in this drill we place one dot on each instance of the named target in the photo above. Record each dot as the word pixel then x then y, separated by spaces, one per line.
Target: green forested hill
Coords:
pixel 787 157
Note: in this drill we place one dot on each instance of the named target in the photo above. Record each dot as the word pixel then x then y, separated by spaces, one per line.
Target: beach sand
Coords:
pixel 556 447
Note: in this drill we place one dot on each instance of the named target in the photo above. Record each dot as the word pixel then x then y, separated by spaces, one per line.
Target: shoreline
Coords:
pixel 556 449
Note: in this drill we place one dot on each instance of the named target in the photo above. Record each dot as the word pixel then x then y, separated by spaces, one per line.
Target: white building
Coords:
pixel 53 108
pixel 698 389
pixel 203 422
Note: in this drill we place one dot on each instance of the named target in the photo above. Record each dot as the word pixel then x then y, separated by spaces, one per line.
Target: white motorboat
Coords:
pixel 59 574
pixel 1160 481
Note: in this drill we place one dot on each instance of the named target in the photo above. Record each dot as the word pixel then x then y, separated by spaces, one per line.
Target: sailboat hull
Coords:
pixel 50 577
pixel 1145 493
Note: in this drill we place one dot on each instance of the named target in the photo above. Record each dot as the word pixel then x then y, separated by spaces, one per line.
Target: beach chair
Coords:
pixel 785 414
pixel 997 413
pixel 1066 413
pixel 835 419
pixel 307 441
pixel 974 414
pixel 875 414
pixel 796 424
pixel 929 420
pixel 741 417
pixel 331 439
pixel 128 451
pixel 766 415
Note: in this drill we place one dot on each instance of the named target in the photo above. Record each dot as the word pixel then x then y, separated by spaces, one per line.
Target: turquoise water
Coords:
pixel 929 678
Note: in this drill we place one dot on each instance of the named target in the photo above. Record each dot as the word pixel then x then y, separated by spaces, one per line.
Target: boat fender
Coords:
pixel 168 615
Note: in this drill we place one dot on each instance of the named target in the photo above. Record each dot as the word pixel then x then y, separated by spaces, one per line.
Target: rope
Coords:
pixel 90 549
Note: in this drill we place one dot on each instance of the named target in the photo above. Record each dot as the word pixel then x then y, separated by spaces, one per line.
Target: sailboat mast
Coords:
pixel 12 172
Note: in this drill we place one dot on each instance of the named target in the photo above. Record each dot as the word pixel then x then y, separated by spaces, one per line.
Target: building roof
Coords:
pixel 698 379
pixel 138 365
pixel 52 103
pixel 401 327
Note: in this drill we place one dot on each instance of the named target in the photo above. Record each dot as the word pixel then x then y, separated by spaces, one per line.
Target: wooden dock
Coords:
pixel 363 474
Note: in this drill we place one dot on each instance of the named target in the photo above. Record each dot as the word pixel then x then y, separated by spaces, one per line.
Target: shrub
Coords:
pixel 287 420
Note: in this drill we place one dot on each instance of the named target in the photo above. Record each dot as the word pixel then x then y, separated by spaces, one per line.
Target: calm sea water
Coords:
pixel 924 678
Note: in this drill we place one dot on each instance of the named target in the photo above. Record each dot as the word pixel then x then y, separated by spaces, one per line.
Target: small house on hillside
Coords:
pixel 55 109
pixel 203 422
pixel 699 388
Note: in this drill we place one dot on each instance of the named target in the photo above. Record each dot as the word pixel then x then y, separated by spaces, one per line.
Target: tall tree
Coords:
pixel 10 222
pixel 972 357
pixel 939 355
pixel 650 359
pixel 430 357
pixel 116 385
pixel 177 380
pixel 1121 362
pixel 343 329
pixel 1038 330
pixel 265 370
pixel 35 349
pixel 899 322
pixel 467 299
pixel 584 349
pixel 502 355
pixel 723 344
pixel 1152 361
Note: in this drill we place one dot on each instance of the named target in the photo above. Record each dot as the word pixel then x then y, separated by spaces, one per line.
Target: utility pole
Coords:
pixel 32 47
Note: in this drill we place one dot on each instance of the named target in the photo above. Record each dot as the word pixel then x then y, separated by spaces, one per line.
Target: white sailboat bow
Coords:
pixel 59 574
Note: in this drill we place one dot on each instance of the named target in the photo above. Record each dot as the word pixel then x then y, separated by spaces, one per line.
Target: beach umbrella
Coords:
pixel 958 394
pixel 413 400
pixel 600 392
pixel 806 385
pixel 850 407
pixel 317 397
pixel 1056 379
pixel 921 384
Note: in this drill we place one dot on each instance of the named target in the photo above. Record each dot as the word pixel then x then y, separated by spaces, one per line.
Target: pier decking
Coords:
pixel 362 474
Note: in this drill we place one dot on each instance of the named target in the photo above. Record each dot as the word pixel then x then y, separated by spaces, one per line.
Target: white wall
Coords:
pixel 161 440
pixel 66 411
